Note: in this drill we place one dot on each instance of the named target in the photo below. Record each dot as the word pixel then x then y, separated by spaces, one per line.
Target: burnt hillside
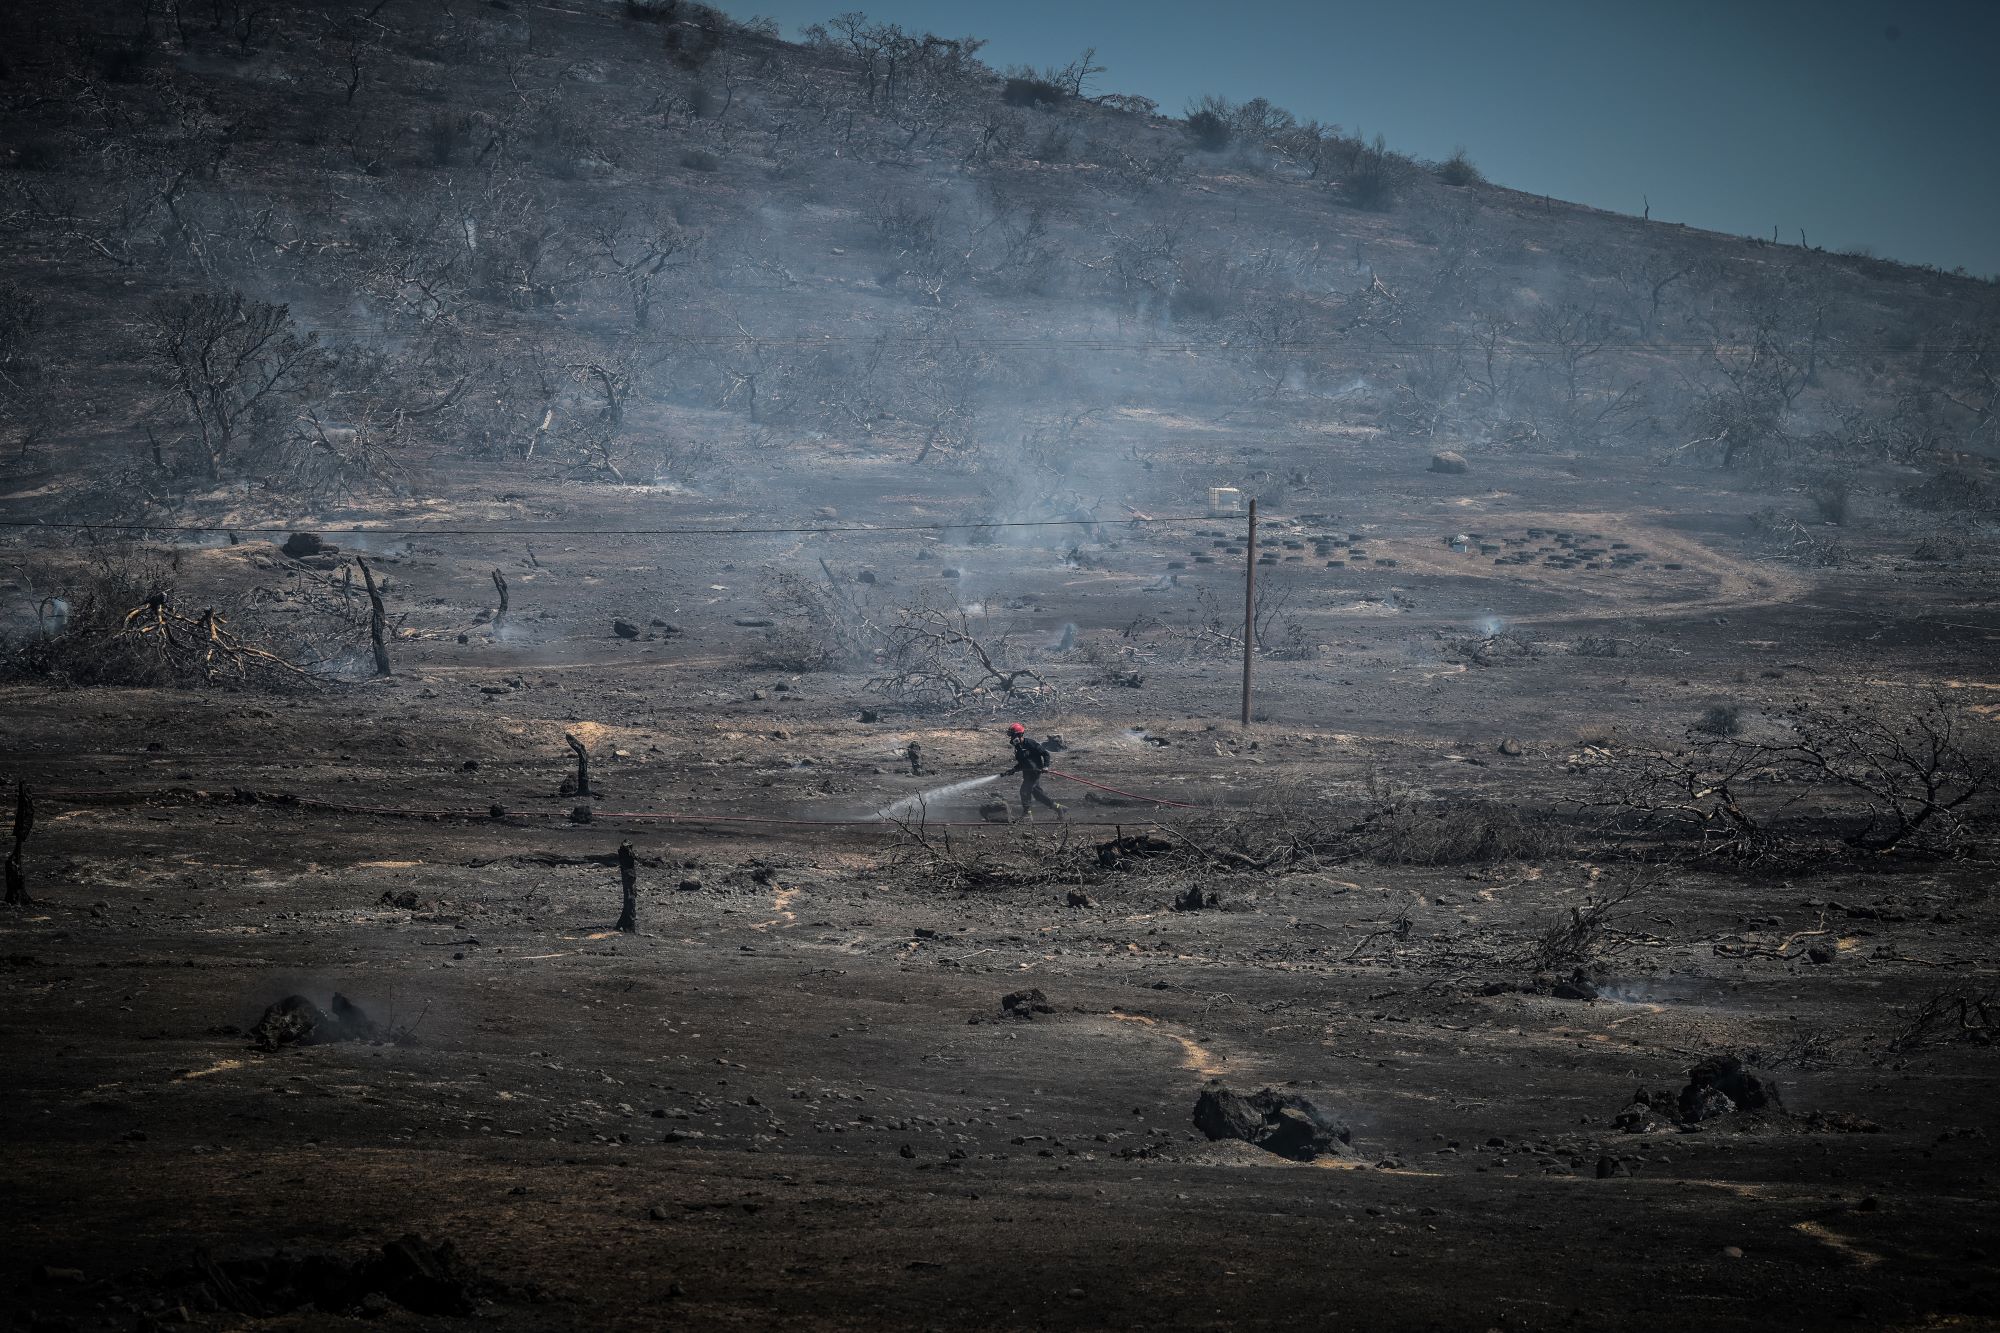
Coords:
pixel 265 260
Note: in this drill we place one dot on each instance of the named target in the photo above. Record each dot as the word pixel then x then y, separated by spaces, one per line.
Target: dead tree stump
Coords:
pixel 24 824
pixel 628 879
pixel 582 764
pixel 378 619
pixel 500 584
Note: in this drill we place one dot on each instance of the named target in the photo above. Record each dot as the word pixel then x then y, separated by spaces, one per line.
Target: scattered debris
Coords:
pixel 1718 1086
pixel 423 1277
pixel 1956 1014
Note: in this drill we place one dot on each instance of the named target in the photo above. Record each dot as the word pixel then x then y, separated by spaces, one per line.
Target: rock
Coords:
pixel 870 715
pixel 302 544
pixel 1222 1114
pixel 1285 1123
pixel 1449 462
pixel 753 622
pixel 1608 1167
pixel 1025 1004
pixel 994 812
pixel 1078 898
pixel 1723 1083
pixel 1511 748
pixel 624 629
pixel 424 1278
pixel 1819 955
pixel 1639 1118
pixel 1196 899
pixel 865 576
pixel 295 1020
pixel 580 815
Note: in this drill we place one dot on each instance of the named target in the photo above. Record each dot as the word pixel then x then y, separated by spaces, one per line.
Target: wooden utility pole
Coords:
pixel 378 619
pixel 1249 606
pixel 24 824
pixel 628 879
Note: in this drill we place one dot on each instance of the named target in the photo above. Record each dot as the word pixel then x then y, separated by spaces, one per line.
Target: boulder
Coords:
pixel 297 1021
pixel 624 629
pixel 1741 1086
pixel 1449 462
pixel 1286 1123
pixel 1025 1004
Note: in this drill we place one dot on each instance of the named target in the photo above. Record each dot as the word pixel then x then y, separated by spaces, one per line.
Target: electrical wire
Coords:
pixel 197 528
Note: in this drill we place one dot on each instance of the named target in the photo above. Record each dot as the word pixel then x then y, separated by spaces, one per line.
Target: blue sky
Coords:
pixel 1866 123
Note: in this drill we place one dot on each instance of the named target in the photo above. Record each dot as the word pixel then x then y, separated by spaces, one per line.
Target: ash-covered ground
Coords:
pixel 799 1094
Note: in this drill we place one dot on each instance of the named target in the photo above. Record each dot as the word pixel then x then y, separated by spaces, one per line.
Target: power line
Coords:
pixel 303 525
pixel 1027 343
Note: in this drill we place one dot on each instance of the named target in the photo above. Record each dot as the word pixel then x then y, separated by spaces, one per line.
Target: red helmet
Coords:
pixel 1016 729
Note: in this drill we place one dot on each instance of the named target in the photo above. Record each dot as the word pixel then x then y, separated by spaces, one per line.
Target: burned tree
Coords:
pixel 628 880
pixel 640 252
pixel 24 824
pixel 378 619
pixel 1917 778
pixel 936 660
pixel 582 752
pixel 202 648
pixel 500 586
pixel 1917 771
pixel 237 366
pixel 34 393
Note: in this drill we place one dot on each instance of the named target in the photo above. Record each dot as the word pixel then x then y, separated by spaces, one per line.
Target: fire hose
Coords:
pixel 1149 800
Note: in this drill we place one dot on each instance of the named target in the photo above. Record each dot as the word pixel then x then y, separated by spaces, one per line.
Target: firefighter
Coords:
pixel 1031 760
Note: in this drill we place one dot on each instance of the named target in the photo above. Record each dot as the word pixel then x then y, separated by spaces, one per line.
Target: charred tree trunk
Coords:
pixel 582 764
pixel 378 619
pixel 500 584
pixel 24 823
pixel 628 879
